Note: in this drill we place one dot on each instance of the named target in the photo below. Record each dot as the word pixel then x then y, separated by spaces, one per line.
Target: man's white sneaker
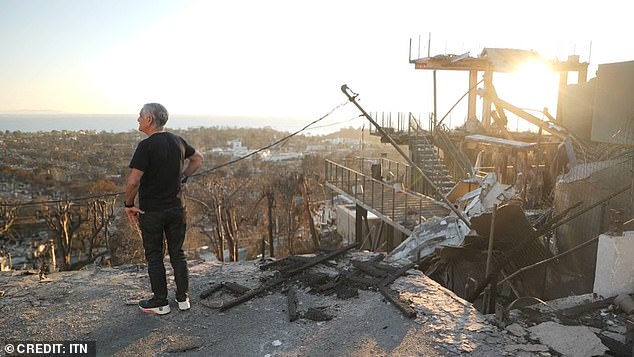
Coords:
pixel 183 305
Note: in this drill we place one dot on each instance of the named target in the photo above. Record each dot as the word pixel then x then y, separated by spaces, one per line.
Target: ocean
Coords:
pixel 122 123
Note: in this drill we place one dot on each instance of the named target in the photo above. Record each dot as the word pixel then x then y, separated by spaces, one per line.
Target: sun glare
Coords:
pixel 532 87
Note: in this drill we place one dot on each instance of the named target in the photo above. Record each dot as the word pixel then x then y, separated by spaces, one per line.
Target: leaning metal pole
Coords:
pixel 351 97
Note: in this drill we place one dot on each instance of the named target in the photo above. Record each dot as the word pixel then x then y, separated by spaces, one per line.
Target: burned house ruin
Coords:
pixel 494 214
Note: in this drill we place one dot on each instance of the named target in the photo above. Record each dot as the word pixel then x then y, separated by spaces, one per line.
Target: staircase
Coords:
pixel 425 155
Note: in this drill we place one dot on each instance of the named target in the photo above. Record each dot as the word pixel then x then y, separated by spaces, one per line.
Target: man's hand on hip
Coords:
pixel 133 214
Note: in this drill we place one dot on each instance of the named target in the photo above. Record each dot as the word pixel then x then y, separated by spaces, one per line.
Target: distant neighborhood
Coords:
pixel 46 177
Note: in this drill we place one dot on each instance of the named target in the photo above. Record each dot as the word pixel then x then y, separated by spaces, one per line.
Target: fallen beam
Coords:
pixel 369 269
pixel 208 292
pixel 277 281
pixel 348 276
pixel 390 278
pixel 236 288
pixel 390 295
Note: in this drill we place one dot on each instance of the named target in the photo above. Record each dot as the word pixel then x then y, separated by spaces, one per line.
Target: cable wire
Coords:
pixel 270 145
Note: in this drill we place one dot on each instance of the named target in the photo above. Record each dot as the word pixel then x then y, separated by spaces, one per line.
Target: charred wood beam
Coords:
pixel 212 289
pixel 290 261
pixel 235 288
pixel 591 306
pixel 369 269
pixel 390 278
pixel 291 300
pixel 337 283
pixel 325 288
pixel 315 279
pixel 345 292
pixel 362 282
pixel 252 293
pixel 390 295
pixel 319 259
pixel 385 267
pixel 277 281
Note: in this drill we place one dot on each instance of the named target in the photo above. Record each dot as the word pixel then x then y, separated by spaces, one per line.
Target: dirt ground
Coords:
pixel 99 304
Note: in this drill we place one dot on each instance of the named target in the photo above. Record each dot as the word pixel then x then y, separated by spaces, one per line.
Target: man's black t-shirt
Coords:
pixel 160 157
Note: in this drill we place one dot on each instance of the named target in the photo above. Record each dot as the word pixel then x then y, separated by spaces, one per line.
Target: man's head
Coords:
pixel 152 116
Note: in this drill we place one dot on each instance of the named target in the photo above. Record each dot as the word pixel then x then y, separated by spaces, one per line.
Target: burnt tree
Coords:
pixel 64 220
pixel 8 214
pixel 101 216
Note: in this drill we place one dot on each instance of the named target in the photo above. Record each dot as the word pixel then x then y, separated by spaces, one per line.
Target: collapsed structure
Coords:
pixel 497 215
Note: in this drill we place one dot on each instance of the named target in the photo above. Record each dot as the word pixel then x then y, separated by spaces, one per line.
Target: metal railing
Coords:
pixel 392 172
pixel 399 123
pixel 390 201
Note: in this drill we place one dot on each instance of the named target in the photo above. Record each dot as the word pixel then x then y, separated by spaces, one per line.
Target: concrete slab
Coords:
pixel 613 272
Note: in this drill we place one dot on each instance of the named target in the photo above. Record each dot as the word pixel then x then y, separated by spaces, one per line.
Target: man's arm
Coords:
pixel 193 164
pixel 132 187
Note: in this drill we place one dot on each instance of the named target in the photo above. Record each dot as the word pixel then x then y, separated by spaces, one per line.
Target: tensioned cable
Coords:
pixel 270 145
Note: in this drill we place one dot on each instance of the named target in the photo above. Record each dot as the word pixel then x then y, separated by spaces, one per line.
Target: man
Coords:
pixel 157 175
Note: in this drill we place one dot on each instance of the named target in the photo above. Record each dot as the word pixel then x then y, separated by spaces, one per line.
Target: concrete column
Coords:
pixel 360 214
pixel 563 82
pixel 471 107
pixel 486 103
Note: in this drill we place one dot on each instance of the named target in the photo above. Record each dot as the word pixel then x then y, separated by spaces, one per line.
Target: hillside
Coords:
pixel 99 304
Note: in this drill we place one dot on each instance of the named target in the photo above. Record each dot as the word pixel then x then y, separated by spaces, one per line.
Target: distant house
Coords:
pixel 284 156
pixel 316 147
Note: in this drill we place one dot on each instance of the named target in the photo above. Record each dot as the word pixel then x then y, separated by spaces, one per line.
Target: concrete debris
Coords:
pixel 428 236
pixel 492 192
pixel 577 341
pixel 450 231
pixel 482 199
pixel 615 336
pixel 516 330
pixel 613 272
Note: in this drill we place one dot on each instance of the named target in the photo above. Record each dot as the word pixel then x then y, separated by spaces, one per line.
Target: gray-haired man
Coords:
pixel 157 175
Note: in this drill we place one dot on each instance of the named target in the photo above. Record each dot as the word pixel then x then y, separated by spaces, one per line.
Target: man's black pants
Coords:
pixel 170 224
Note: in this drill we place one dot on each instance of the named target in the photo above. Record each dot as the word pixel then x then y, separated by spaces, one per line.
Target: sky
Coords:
pixel 281 58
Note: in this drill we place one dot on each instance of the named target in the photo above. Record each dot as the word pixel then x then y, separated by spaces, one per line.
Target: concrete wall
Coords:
pixel 614 274
pixel 613 119
pixel 346 224
pixel 576 103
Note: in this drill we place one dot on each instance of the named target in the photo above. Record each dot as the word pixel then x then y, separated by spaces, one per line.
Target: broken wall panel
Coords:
pixel 437 232
pixel 577 108
pixel 511 229
pixel 613 118
pixel 589 183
